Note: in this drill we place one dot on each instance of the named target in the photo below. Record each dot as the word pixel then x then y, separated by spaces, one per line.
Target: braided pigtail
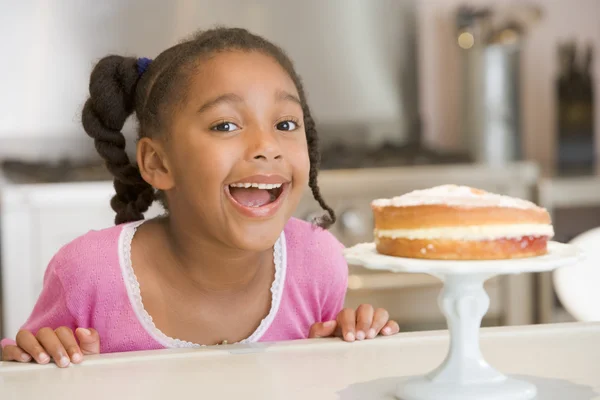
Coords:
pixel 112 88
pixel 314 156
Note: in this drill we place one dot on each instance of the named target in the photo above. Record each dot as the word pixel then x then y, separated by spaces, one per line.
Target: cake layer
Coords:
pixel 471 232
pixel 463 250
pixel 430 216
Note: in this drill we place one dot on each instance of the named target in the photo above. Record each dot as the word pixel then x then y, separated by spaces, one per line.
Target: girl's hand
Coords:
pixel 60 344
pixel 364 323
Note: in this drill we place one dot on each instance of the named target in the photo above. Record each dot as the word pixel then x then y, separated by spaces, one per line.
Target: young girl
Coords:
pixel 228 145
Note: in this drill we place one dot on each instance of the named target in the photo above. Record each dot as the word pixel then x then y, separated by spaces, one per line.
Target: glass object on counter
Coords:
pixel 575 102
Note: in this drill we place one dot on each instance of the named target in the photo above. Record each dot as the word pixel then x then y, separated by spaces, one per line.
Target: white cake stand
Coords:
pixel 464 374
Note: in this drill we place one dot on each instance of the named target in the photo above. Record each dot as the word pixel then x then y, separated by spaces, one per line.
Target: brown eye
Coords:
pixel 287 126
pixel 225 127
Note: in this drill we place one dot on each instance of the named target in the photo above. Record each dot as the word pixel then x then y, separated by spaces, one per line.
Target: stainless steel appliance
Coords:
pixel 491 41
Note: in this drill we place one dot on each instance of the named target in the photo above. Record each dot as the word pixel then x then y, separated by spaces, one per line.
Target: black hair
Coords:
pixel 118 89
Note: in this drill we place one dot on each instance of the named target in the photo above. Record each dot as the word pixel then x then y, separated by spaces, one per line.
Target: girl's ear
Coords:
pixel 153 164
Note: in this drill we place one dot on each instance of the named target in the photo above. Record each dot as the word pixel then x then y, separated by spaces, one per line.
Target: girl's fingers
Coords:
pixel 66 337
pixel 390 328
pixel 89 341
pixel 47 338
pixel 322 329
pixel 346 321
pixel 380 318
pixel 14 353
pixel 29 344
pixel 364 319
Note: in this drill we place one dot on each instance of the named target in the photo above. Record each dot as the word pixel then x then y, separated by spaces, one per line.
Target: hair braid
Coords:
pixel 112 91
pixel 314 156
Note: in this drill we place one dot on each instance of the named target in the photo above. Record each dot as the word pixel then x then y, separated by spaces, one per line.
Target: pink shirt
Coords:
pixel 90 283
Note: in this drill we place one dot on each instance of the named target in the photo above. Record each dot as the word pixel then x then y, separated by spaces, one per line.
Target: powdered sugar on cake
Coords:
pixel 455 196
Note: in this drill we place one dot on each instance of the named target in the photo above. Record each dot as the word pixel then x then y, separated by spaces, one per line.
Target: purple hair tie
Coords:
pixel 143 64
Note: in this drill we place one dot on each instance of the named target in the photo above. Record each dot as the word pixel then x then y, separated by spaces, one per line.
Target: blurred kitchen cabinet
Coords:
pixel 38 219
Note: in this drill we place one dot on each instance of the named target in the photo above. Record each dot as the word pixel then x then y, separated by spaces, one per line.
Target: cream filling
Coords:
pixel 471 232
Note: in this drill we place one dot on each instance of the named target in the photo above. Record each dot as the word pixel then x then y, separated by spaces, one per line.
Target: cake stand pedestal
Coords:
pixel 464 374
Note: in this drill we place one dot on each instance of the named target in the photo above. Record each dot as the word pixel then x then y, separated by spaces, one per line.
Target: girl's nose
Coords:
pixel 264 146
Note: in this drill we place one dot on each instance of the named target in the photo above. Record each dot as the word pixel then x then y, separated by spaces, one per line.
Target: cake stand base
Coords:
pixel 422 388
pixel 464 374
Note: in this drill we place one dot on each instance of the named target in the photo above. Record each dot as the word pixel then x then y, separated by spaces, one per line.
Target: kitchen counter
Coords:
pixel 562 360
pixel 37 219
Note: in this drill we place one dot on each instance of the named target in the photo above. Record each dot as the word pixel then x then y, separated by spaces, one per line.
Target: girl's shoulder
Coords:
pixel 90 256
pixel 317 272
pixel 311 247
pixel 305 235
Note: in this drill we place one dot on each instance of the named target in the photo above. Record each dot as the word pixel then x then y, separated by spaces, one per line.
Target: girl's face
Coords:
pixel 237 154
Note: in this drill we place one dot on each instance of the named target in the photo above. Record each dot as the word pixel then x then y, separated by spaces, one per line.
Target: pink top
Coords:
pixel 90 283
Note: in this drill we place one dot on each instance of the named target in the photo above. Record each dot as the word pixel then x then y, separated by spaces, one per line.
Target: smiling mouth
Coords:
pixel 256 195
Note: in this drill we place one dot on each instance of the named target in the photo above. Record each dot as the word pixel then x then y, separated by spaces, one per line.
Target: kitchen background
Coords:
pixel 407 94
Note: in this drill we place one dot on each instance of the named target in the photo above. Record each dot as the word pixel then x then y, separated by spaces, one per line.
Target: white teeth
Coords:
pixel 257 185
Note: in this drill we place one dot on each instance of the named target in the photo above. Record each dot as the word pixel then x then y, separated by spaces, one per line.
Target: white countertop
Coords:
pixel 562 360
